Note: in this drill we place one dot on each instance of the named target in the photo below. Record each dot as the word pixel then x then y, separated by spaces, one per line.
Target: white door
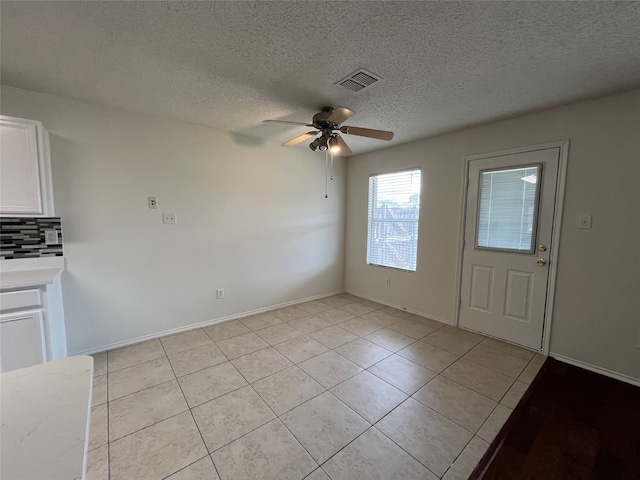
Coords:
pixel 507 245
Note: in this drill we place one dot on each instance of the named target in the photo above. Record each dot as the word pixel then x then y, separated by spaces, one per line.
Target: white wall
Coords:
pixel 252 219
pixel 597 307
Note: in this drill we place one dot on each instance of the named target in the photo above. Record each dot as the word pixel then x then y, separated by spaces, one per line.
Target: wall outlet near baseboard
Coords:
pixel 387 282
pixel 220 293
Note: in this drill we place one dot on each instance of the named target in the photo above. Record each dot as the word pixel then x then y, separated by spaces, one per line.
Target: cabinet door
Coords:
pixel 20 189
pixel 21 341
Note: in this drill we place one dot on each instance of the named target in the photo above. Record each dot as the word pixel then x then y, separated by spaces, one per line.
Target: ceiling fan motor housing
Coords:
pixel 320 119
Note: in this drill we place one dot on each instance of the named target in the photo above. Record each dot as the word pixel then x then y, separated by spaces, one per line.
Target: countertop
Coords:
pixel 45 412
pixel 29 272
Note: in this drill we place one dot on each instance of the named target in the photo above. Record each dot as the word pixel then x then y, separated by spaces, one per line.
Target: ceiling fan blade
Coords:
pixel 340 114
pixel 289 123
pixel 300 138
pixel 344 148
pixel 367 132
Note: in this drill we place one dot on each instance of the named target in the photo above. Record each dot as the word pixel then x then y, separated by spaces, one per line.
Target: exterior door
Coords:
pixel 507 245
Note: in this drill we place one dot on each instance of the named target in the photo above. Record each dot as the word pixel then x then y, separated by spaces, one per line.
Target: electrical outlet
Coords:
pixel 387 282
pixel 153 202
pixel 220 293
pixel 170 218
pixel 51 237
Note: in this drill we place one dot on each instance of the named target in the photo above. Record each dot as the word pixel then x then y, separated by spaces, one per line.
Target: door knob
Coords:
pixel 541 262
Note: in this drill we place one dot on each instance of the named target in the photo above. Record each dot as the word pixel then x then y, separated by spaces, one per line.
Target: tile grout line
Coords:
pixel 493 369
pixel 497 402
pixel 187 466
pixel 461 451
pixel 343 447
pixel 141 390
pixel 190 413
pixel 437 374
pixel 450 419
pixel 277 417
pixel 393 441
pixel 474 434
pixel 371 425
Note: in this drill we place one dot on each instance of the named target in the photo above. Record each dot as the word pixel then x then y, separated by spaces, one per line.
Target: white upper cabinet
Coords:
pixel 25 169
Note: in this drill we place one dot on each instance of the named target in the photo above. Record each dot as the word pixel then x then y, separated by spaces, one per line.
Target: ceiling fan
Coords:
pixel 327 123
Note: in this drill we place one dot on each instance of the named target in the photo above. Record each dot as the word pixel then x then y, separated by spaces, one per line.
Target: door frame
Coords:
pixel 563 145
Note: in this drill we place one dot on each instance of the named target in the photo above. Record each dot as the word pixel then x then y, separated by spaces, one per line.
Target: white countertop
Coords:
pixel 29 272
pixel 45 413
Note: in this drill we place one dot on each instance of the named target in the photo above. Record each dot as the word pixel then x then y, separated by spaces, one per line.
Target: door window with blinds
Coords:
pixel 508 209
pixel 394 211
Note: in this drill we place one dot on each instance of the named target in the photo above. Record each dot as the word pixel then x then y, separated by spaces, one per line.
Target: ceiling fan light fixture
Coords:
pixel 323 143
pixel 314 145
pixel 334 146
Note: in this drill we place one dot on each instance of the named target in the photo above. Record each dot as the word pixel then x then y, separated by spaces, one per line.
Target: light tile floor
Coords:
pixel 340 388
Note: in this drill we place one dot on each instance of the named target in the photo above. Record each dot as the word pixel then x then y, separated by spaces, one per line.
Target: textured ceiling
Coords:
pixel 229 65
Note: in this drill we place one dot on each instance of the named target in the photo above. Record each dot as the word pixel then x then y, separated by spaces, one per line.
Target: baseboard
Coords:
pixel 595 369
pixel 206 323
pixel 400 307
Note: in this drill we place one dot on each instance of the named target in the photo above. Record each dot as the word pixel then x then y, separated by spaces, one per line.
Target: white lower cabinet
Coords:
pixel 22 340
pixel 29 334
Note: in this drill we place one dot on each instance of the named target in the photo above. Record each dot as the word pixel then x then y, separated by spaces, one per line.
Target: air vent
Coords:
pixel 359 80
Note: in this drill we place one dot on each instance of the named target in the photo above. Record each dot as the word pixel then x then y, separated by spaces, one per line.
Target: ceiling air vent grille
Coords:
pixel 359 80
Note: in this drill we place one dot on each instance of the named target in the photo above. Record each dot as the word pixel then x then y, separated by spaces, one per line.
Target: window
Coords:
pixel 394 209
pixel 507 211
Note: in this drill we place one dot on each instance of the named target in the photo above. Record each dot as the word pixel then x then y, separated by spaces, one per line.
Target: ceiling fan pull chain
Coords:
pixel 331 166
pixel 326 175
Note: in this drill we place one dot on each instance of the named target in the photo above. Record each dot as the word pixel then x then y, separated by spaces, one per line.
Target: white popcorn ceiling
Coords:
pixel 230 65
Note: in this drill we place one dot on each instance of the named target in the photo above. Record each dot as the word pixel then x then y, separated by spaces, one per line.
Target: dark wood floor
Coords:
pixel 574 425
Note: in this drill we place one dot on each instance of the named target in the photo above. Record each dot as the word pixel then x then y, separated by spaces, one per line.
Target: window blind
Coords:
pixel 393 214
pixel 507 210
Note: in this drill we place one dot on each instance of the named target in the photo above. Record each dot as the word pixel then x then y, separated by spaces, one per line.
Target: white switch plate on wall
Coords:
pixel 170 218
pixel 585 221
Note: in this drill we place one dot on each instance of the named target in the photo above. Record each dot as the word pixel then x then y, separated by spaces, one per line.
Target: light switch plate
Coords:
pixel 169 218
pixel 585 221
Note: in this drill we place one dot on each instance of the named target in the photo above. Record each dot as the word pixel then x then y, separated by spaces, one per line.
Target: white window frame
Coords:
pixel 373 222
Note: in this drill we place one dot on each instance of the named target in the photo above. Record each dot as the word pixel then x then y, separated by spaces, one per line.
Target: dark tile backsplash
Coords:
pixel 24 237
